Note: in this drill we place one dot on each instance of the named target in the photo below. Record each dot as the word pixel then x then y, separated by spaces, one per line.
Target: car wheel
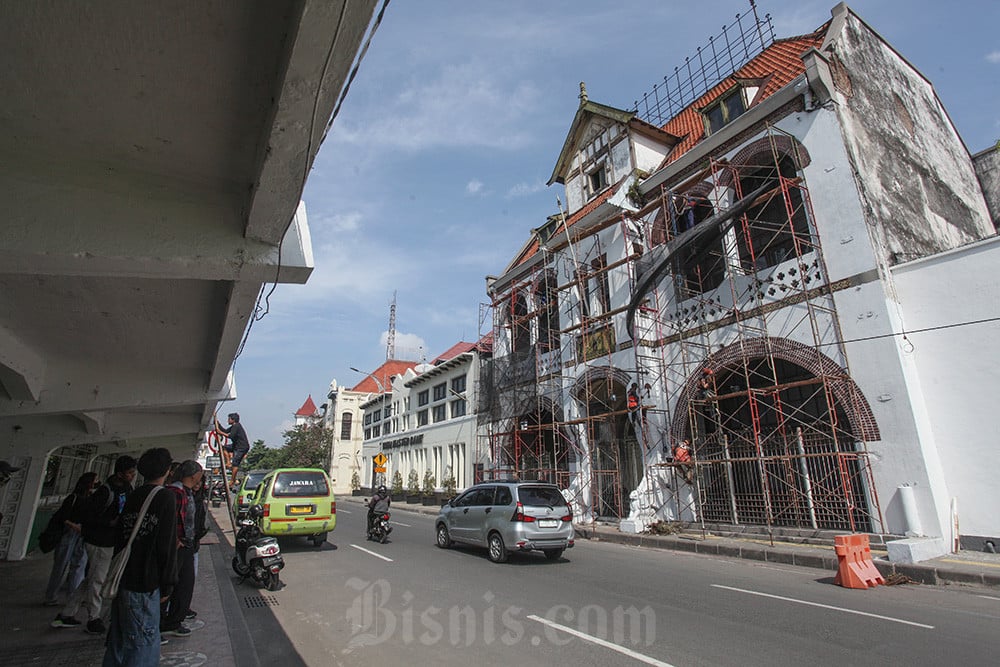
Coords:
pixel 497 550
pixel 318 540
pixel 443 538
pixel 553 554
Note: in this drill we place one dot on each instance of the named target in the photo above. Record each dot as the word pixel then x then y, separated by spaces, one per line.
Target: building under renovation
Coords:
pixel 744 315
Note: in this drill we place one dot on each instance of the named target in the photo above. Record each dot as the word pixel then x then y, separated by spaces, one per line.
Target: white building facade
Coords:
pixel 770 274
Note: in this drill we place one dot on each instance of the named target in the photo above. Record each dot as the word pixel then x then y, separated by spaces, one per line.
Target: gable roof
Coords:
pixel 308 408
pixel 453 351
pixel 383 375
pixel 775 67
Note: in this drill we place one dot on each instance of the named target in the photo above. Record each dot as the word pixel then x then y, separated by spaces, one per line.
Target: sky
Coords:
pixel 435 170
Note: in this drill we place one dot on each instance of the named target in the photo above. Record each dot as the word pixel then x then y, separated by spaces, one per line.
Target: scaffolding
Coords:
pixel 747 338
pixel 735 348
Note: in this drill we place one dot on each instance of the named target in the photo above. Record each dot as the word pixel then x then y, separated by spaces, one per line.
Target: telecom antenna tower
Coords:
pixel 390 339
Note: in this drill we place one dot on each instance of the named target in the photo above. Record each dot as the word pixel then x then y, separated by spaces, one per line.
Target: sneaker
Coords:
pixel 179 631
pixel 191 614
pixel 96 627
pixel 51 603
pixel 163 640
pixel 65 622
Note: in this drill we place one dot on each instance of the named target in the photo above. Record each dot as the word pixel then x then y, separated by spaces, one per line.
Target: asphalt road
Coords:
pixel 355 602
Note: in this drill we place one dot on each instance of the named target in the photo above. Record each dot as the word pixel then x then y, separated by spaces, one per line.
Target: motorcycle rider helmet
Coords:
pixel 255 512
pixel 381 489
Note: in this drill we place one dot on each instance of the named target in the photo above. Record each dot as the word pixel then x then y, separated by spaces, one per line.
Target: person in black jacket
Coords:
pixel 69 564
pixel 150 573
pixel 99 532
pixel 239 445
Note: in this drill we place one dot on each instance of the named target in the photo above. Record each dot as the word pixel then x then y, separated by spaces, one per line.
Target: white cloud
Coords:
pixel 337 223
pixel 465 105
pixel 994 57
pixel 408 346
pixel 473 187
pixel 525 189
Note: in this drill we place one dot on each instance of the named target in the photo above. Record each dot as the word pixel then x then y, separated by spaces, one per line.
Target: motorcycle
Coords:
pixel 380 528
pixel 257 556
pixel 218 494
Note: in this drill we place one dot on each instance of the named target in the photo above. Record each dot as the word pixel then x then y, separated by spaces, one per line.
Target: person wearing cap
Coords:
pixel 239 444
pixel 682 456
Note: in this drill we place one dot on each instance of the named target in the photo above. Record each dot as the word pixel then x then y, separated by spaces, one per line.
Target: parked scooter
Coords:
pixel 380 528
pixel 218 493
pixel 257 556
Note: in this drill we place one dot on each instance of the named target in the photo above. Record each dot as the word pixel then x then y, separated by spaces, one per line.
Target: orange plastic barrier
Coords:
pixel 856 569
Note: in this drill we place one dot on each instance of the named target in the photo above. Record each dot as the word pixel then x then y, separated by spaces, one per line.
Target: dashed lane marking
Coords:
pixel 601 642
pixel 825 606
pixel 371 553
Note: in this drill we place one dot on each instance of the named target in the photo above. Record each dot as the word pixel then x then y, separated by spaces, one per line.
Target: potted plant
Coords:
pixel 396 492
pixel 450 486
pixel 413 487
pixel 429 483
pixel 355 484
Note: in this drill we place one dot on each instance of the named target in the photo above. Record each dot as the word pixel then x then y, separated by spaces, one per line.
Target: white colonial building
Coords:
pixel 789 269
pixel 426 421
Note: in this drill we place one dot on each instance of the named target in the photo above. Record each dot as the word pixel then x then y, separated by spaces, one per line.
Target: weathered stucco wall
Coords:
pixel 915 176
pixel 987 165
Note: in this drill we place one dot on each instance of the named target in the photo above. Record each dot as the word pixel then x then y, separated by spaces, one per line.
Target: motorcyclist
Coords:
pixel 378 504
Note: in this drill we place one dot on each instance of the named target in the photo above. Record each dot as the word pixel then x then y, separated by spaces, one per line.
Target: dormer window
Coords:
pixel 725 110
pixel 597 179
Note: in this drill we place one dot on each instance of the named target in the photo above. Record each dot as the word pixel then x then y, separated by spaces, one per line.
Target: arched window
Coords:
pixel 547 307
pixel 774 223
pixel 345 426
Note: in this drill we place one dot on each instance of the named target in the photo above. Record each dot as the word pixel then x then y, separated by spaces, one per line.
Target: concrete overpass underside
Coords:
pixel 152 160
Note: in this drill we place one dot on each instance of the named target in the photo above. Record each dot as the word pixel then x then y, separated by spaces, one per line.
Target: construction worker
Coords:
pixel 633 402
pixel 682 457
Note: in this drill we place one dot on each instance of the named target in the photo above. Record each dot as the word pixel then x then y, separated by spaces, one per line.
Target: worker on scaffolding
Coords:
pixel 707 394
pixel 634 403
pixel 682 458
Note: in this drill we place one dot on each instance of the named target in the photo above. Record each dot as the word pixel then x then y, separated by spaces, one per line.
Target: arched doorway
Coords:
pixel 778 431
pixel 615 454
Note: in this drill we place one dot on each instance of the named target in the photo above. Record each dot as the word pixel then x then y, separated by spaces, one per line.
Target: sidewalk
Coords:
pixel 969 568
pixel 29 640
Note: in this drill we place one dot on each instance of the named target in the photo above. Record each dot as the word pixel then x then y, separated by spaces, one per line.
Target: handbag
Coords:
pixel 49 538
pixel 120 560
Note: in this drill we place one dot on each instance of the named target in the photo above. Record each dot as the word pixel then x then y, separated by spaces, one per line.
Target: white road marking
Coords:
pixel 825 606
pixel 600 642
pixel 399 523
pixel 989 597
pixel 371 553
pixel 340 511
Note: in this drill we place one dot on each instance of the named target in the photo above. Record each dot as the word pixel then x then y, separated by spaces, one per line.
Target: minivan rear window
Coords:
pixel 296 483
pixel 540 496
pixel 253 480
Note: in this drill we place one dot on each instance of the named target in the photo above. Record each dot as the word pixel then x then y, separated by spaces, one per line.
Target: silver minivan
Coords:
pixel 506 517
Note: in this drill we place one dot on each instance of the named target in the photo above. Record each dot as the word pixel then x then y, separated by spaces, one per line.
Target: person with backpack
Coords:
pixel 69 564
pixel 150 572
pixel 99 534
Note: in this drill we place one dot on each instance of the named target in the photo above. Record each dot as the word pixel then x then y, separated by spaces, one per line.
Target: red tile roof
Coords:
pixel 775 66
pixel 308 408
pixel 458 348
pixel 384 375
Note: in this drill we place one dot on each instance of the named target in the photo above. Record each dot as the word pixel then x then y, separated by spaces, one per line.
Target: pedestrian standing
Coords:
pixel 176 608
pixel 150 573
pixel 100 530
pixel 69 563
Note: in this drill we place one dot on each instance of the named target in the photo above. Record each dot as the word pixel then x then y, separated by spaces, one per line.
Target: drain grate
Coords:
pixel 253 601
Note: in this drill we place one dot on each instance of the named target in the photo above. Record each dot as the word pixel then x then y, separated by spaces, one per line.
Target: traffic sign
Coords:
pixel 380 460
pixel 379 469
pixel 213 461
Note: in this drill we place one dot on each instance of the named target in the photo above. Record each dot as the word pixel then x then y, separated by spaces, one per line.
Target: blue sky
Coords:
pixel 435 170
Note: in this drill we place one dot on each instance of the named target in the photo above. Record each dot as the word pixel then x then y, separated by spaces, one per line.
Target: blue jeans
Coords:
pixel 69 566
pixel 134 633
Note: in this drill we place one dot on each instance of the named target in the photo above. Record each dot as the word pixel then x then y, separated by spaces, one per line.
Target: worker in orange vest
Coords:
pixel 633 402
pixel 682 456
